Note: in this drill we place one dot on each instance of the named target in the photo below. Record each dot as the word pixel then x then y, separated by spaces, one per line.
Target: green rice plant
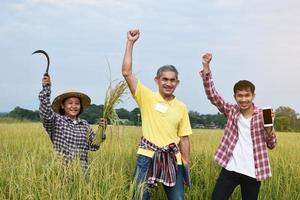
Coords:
pixel 12 120
pixel 30 169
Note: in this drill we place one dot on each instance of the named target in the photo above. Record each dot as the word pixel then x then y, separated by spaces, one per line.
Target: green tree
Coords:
pixel 194 118
pixel 209 120
pixel 123 113
pixel 285 111
pixel 282 123
pixel 92 114
pixel 220 120
pixel 21 113
pixel 298 125
pixel 135 116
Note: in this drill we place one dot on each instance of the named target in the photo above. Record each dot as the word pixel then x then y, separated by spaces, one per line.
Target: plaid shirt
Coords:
pixel 163 166
pixel 69 139
pixel 259 136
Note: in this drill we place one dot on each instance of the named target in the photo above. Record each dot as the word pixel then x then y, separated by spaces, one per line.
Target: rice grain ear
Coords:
pixel 113 97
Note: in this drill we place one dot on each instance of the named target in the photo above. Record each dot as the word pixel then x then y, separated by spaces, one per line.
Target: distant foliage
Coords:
pixel 3 114
pixel 92 113
pixel 123 113
pixel 286 119
pixel 207 121
pixel 135 116
pixel 24 114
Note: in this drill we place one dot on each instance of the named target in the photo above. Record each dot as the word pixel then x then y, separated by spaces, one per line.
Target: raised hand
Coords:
pixel 46 80
pixel 133 35
pixel 206 58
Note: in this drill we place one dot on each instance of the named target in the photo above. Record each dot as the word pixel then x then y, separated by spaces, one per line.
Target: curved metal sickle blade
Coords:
pixel 48 59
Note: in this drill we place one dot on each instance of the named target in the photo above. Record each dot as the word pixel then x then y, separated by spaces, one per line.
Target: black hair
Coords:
pixel 166 68
pixel 243 85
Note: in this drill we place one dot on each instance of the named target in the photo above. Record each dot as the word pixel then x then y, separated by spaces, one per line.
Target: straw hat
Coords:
pixel 85 99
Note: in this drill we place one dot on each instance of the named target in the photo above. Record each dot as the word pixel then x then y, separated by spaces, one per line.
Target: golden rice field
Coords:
pixel 29 169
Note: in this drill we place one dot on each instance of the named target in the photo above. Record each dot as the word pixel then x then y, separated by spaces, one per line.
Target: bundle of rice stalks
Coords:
pixel 113 97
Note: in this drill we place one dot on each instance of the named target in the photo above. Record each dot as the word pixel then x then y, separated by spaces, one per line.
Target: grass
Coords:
pixel 30 170
pixel 13 120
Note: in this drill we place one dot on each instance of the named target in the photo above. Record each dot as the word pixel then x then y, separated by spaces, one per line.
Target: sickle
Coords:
pixel 48 60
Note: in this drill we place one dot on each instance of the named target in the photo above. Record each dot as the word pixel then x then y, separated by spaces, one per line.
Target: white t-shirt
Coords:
pixel 242 159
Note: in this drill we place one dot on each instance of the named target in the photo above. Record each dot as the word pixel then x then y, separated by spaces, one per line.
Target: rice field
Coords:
pixel 29 169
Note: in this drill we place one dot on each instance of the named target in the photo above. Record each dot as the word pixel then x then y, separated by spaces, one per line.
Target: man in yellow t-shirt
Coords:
pixel 164 147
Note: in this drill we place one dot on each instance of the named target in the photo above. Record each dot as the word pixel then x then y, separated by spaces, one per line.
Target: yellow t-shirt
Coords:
pixel 164 122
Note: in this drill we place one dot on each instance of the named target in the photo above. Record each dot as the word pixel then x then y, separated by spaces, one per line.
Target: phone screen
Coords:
pixel 267 113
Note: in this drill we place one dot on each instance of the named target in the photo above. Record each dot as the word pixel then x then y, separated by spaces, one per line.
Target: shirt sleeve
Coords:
pixel 185 126
pixel 94 138
pixel 45 111
pixel 213 95
pixel 142 92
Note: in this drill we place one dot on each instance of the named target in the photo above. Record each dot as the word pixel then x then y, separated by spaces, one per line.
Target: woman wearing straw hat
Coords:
pixel 71 136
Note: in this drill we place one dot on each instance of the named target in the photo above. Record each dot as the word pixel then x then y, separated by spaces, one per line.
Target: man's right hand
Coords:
pixel 133 35
pixel 46 80
pixel 206 58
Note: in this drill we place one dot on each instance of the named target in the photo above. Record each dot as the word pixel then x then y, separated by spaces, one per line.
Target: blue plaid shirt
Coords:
pixel 70 139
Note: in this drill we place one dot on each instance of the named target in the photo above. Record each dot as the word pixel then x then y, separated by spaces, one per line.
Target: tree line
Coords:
pixel 286 118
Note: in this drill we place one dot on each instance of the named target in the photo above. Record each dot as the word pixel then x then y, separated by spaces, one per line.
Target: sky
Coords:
pixel 254 40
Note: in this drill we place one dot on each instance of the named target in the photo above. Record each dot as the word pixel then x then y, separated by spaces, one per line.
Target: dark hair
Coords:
pixel 166 68
pixel 62 111
pixel 243 85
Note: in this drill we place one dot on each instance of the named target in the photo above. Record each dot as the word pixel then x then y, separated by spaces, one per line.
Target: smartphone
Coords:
pixel 267 113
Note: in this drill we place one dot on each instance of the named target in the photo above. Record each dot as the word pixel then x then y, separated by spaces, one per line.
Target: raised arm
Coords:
pixel 206 58
pixel 209 86
pixel 132 37
pixel 46 113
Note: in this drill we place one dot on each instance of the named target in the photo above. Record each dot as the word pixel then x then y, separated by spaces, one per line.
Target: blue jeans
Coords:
pixel 227 182
pixel 141 189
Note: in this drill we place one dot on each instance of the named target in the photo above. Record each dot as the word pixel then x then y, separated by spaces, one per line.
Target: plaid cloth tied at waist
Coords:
pixel 163 166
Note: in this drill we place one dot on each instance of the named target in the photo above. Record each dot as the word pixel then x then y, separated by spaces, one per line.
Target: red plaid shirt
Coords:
pixel 259 136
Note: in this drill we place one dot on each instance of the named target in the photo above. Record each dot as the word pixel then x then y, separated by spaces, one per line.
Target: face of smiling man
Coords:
pixel 244 98
pixel 167 83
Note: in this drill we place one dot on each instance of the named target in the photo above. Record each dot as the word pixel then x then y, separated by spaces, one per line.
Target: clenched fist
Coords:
pixel 133 35
pixel 46 80
pixel 206 58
